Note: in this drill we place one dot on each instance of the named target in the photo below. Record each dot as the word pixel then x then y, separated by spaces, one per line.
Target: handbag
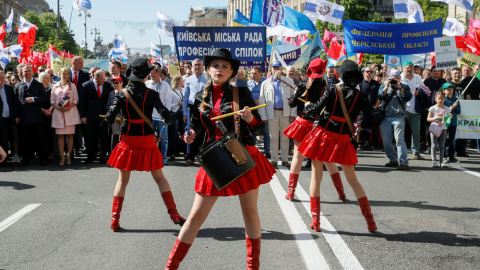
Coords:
pixel 353 140
pixel 436 129
pixel 379 113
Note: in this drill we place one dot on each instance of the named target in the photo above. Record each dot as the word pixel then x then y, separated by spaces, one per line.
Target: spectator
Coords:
pixel 460 144
pixel 254 85
pixel 292 74
pixel 384 70
pixel 159 126
pixel 473 91
pixel 304 77
pixel 30 96
pixel 436 114
pixel 193 85
pixel 13 80
pixel 7 114
pixel 20 71
pixel 181 68
pixel 164 76
pixel 93 103
pixel 426 74
pixel 91 72
pixel 434 83
pixel 188 64
pixel 188 73
pixel 378 77
pixel 452 102
pixel 115 128
pixel 78 77
pixel 47 109
pixel 178 126
pixel 278 113
pixel 123 70
pixel 417 70
pixel 393 96
pixel 115 68
pixel 330 74
pixel 65 117
pixel 415 106
pixel 239 79
pixel 41 69
pixel 370 88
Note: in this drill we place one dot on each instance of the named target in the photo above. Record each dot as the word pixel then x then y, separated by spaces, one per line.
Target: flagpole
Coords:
pixel 161 49
pixel 473 78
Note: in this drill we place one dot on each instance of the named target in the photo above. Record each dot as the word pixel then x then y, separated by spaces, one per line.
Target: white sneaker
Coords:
pixel 435 165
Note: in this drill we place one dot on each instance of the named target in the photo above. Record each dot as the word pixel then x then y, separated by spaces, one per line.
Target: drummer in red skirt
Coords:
pixel 303 124
pixel 330 140
pixel 217 99
pixel 137 150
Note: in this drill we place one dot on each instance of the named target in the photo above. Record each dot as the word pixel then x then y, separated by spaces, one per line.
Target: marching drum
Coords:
pixel 220 165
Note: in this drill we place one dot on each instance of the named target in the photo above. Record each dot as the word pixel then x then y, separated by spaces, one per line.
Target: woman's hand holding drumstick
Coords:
pixel 246 114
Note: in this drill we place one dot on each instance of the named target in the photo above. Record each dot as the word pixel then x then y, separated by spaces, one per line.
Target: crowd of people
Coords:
pixel 58 116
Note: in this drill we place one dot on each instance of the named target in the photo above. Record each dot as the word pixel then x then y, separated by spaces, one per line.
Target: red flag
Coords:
pixel 2 33
pixel 432 56
pixel 473 26
pixel 359 58
pixel 26 40
pixel 468 44
pixel 51 47
pixel 335 50
pixel 328 36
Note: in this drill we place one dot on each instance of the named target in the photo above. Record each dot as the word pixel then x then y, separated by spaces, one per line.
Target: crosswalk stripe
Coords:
pixel 312 257
pixel 465 170
pixel 18 215
pixel 343 253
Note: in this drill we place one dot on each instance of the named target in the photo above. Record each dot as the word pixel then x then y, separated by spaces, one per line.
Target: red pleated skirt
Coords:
pixel 321 144
pixel 299 129
pixel 258 175
pixel 136 153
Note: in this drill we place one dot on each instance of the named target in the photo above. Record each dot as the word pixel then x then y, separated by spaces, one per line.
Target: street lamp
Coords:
pixel 85 24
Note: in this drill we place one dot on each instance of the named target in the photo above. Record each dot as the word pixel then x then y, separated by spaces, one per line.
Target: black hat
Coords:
pixel 350 72
pixel 139 70
pixel 223 54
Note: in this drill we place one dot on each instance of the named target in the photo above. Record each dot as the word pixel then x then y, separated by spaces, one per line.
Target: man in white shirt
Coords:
pixel 275 93
pixel 414 81
pixel 159 125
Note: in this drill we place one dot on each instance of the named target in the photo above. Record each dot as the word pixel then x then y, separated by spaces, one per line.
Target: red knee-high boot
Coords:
pixel 172 208
pixel 315 210
pixel 367 213
pixel 292 184
pixel 116 209
pixel 253 253
pixel 337 183
pixel 179 252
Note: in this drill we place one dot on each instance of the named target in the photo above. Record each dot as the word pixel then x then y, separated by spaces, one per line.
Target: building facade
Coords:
pixel 207 16
pixel 37 6
pixel 5 8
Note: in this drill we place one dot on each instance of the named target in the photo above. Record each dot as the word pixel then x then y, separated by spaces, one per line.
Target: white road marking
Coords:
pixel 17 216
pixel 344 255
pixel 465 170
pixel 312 257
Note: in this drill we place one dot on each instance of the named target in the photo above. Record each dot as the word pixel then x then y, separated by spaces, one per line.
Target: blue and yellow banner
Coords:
pixel 391 38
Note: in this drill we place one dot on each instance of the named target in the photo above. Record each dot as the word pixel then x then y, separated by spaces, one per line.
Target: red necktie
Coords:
pixel 75 80
pixel 98 91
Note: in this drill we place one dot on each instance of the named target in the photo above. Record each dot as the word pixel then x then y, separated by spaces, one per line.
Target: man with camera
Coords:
pixel 393 95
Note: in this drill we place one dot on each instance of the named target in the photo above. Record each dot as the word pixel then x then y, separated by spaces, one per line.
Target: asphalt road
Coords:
pixel 59 218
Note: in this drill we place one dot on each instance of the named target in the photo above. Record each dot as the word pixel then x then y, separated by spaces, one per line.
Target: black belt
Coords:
pixel 278 109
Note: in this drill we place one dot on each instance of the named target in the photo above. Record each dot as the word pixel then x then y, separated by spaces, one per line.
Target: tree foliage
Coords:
pixel 47 33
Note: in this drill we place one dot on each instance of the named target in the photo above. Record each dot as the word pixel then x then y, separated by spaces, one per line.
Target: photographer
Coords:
pixel 393 95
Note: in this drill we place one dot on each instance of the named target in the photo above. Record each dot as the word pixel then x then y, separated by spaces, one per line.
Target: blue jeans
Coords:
pixel 414 123
pixel 394 127
pixel 157 127
pixel 266 139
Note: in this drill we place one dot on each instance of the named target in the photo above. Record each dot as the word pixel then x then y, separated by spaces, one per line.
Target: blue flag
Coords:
pixel 239 19
pixel 272 13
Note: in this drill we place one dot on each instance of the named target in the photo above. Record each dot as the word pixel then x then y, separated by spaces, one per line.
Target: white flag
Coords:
pixel 324 10
pixel 4 60
pixel 83 5
pixel 24 25
pixel 155 51
pixel 465 4
pixel 9 22
pixel 119 42
pixel 13 51
pixel 453 27
pixel 82 45
pixel 276 57
pixel 165 25
pixel 408 9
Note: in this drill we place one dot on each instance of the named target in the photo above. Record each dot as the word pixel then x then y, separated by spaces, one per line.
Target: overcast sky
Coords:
pixel 109 17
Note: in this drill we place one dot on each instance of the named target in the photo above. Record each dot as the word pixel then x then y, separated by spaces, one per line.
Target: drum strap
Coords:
pixel 344 109
pixel 236 107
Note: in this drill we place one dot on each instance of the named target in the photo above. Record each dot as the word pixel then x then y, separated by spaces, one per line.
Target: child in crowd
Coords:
pixel 451 101
pixel 436 115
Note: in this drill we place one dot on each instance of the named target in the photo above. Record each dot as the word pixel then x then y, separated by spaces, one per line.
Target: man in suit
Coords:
pixel 275 92
pixel 7 112
pixel 93 103
pixel 115 68
pixel 78 77
pixel 30 96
